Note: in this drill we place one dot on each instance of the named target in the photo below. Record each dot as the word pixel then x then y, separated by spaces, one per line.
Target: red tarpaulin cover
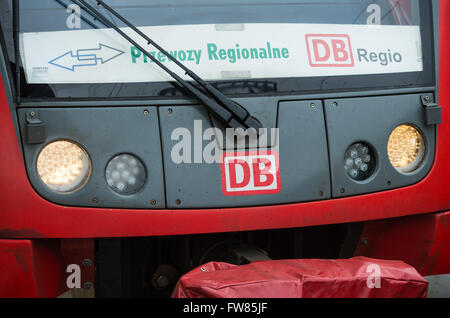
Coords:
pixel 303 278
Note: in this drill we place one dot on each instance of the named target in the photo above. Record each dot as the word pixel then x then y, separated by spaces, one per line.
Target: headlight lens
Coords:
pixel 406 148
pixel 359 161
pixel 63 166
pixel 125 174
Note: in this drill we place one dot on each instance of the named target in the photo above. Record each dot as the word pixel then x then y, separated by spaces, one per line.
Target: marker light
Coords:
pixel 63 166
pixel 359 161
pixel 125 174
pixel 406 148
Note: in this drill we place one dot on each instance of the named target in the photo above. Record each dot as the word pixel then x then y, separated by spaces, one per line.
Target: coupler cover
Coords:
pixel 358 277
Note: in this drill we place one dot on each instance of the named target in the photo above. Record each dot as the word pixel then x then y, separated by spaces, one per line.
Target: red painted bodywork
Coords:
pixel 422 241
pixel 37 268
pixel 24 214
pixel 30 268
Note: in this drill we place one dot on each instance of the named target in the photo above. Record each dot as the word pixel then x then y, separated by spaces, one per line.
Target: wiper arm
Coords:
pixel 227 110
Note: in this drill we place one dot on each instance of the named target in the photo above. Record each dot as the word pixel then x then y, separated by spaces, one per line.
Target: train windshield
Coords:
pixel 254 48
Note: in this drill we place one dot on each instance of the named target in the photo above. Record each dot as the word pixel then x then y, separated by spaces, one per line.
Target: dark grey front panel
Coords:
pixel 304 169
pixel 104 133
pixel 264 110
pixel 371 120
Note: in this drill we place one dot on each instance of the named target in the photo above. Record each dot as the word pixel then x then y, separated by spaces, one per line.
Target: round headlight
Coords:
pixel 125 174
pixel 406 148
pixel 63 166
pixel 359 161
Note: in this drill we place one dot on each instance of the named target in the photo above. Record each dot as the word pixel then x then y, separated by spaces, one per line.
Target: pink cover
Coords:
pixel 304 278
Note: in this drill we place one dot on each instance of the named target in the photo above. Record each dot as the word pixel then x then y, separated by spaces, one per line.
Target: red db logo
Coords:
pixel 329 50
pixel 249 173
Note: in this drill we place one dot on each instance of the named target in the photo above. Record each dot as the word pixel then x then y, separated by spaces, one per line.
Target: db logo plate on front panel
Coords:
pixel 329 50
pixel 250 173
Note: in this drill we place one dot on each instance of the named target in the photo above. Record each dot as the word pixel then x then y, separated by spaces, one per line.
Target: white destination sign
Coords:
pixel 216 52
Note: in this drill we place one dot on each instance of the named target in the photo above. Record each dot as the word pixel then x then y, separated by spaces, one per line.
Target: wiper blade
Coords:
pixel 227 110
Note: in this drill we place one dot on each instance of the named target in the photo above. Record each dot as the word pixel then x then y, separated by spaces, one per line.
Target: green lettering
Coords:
pixel 232 55
pixel 222 54
pixel 245 53
pixel 262 53
pixel 276 53
pixel 135 54
pixel 254 53
pixel 153 54
pixel 161 57
pixel 182 55
pixel 212 49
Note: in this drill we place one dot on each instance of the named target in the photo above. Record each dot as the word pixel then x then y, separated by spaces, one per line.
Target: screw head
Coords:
pixel 32 113
pixel 170 111
pixel 342 190
pixel 335 104
pixel 178 202
pixel 153 202
pixel 146 112
pixel 427 98
pixel 86 262
pixel 88 285
pixel 313 105
pixel 94 200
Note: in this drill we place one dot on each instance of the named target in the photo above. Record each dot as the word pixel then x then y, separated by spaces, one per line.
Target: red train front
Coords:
pixel 142 139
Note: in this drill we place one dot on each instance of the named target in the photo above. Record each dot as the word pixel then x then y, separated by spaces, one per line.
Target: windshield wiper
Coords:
pixel 227 110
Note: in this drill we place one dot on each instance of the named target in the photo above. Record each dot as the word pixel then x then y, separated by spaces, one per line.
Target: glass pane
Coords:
pixel 256 47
